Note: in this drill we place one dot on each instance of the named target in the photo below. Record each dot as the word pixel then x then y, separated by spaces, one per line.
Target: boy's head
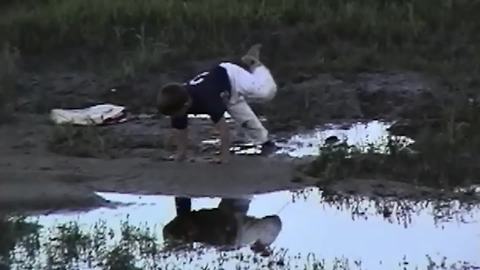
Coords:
pixel 173 99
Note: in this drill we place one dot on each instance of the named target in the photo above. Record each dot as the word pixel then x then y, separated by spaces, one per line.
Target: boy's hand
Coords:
pixel 180 157
pixel 175 157
pixel 224 157
pixel 218 161
pixel 222 128
pixel 181 137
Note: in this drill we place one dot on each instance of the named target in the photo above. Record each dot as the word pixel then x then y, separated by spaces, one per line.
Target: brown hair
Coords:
pixel 171 98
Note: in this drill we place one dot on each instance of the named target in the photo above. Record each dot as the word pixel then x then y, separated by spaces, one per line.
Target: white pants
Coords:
pixel 255 86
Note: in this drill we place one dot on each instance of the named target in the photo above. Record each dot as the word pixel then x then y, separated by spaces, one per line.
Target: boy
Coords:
pixel 226 87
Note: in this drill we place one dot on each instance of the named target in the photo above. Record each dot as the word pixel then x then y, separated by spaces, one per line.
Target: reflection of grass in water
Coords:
pixel 15 231
pixel 400 211
pixel 71 246
pixel 392 209
pixel 67 246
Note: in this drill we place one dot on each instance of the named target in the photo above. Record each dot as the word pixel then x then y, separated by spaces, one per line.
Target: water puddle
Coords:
pixel 372 134
pixel 281 230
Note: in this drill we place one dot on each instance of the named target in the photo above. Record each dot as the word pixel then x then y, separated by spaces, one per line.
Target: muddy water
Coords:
pixel 311 231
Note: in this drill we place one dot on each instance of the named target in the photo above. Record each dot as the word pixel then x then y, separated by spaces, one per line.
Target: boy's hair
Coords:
pixel 171 98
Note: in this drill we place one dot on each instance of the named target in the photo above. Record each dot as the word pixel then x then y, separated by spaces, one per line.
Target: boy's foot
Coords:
pixel 268 148
pixel 252 57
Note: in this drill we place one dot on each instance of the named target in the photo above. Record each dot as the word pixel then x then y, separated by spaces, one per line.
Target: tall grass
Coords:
pixel 435 29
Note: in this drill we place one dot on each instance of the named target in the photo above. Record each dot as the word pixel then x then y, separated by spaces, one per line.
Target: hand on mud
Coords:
pixel 224 157
pixel 179 158
pixel 218 160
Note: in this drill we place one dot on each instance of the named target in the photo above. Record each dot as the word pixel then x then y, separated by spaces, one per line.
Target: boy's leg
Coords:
pixel 183 205
pixel 266 85
pixel 248 122
pixel 255 83
pixel 265 89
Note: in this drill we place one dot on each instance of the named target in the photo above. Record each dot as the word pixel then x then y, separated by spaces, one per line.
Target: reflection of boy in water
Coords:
pixel 227 226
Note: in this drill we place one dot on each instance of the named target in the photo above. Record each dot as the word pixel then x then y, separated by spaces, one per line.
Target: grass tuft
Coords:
pixel 80 141
pixel 443 156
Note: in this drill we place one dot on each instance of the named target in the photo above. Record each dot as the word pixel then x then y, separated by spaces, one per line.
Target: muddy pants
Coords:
pixel 256 86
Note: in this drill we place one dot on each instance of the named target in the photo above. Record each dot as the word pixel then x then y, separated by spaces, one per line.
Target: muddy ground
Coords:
pixel 39 171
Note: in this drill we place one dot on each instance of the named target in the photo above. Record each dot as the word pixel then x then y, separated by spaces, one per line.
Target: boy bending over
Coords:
pixel 226 87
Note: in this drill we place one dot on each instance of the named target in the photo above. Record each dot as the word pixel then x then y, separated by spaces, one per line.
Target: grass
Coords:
pixel 347 33
pixel 81 141
pixel 443 156
pixel 15 230
pixel 97 141
pixel 8 77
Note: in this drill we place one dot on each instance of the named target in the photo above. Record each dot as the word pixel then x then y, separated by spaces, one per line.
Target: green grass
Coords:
pixel 332 33
pixel 15 230
pixel 81 141
pixel 443 156
pixel 96 141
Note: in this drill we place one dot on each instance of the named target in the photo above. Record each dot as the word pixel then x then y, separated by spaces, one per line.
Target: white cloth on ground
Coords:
pixel 94 115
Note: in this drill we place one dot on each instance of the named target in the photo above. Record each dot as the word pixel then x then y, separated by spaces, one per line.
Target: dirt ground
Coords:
pixel 35 178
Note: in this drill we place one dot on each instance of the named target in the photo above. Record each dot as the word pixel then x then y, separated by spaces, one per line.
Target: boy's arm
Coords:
pixel 180 133
pixel 222 128
pixel 181 141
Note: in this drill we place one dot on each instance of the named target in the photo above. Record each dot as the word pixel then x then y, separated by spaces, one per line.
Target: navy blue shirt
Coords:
pixel 206 91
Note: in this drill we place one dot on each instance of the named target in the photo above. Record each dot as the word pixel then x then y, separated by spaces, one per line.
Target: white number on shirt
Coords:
pixel 199 78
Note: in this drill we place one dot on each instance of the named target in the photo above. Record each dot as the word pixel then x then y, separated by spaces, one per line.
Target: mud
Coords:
pixel 311 99
pixel 134 158
pixel 53 181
